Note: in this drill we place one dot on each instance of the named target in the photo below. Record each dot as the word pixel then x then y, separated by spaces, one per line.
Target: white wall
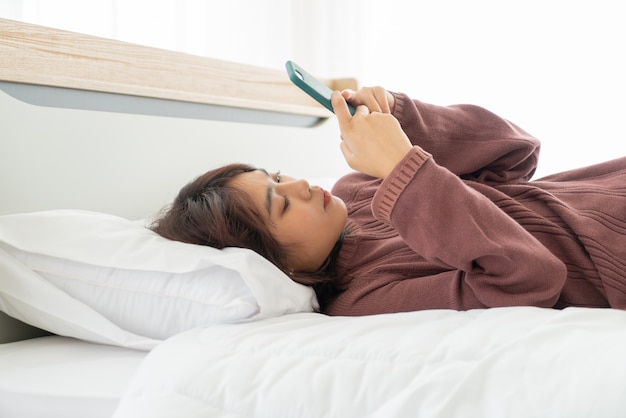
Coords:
pixel 555 67
pixel 132 165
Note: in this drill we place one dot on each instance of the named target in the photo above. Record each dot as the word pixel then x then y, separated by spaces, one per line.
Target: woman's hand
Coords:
pixel 377 99
pixel 372 142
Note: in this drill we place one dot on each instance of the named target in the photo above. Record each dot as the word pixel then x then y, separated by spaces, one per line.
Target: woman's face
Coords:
pixel 306 219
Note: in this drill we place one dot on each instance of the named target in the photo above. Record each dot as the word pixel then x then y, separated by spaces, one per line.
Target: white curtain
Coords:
pixel 555 67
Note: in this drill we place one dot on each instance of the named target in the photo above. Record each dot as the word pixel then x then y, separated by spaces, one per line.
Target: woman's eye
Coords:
pixel 278 176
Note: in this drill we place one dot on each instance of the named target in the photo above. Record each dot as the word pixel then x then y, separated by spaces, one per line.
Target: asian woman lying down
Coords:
pixel 441 213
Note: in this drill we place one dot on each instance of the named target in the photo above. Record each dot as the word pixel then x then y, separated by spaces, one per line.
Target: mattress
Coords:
pixel 63 377
pixel 502 362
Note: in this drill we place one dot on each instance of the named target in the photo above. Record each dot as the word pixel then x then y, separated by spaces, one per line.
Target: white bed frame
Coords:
pixel 96 124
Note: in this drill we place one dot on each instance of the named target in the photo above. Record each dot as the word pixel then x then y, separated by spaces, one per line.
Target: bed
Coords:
pixel 101 317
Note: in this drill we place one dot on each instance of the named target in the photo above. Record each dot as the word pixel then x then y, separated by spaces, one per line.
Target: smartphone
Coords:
pixel 311 86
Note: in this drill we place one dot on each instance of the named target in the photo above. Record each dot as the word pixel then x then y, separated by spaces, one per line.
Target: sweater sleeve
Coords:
pixel 492 260
pixel 469 141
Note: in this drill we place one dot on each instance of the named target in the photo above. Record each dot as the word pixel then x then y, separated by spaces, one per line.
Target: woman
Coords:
pixel 441 213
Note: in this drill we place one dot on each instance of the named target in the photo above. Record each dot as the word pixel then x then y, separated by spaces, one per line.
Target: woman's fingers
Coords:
pixel 348 94
pixel 381 97
pixel 340 107
pixel 377 99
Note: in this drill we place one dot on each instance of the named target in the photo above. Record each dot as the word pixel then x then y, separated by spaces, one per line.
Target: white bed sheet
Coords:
pixel 63 377
pixel 506 362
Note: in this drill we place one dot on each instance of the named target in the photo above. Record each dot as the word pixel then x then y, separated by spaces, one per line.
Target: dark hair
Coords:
pixel 209 211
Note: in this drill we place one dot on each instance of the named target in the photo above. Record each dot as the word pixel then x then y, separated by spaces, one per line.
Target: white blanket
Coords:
pixel 508 362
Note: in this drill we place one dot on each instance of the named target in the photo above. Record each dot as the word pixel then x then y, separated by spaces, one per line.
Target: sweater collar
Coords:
pixel 349 248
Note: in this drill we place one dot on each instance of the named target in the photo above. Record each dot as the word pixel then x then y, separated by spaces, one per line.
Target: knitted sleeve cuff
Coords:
pixel 400 103
pixel 395 183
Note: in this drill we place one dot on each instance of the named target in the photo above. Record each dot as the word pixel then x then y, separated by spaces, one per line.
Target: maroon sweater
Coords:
pixel 458 224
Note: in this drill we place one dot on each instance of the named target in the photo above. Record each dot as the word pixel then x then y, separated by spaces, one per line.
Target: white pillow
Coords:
pixel 142 282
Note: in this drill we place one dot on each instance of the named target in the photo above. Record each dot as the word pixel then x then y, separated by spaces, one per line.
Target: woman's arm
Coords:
pixel 471 254
pixel 470 141
pixel 491 258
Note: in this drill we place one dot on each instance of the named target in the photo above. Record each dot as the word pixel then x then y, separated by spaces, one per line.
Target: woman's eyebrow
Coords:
pixel 268 194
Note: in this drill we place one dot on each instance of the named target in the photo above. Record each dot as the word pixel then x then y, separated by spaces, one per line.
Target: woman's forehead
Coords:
pixel 254 183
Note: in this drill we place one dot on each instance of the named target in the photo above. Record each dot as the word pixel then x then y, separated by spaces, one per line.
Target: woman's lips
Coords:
pixel 326 197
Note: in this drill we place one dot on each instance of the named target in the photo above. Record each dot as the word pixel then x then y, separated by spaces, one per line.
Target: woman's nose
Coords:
pixel 299 188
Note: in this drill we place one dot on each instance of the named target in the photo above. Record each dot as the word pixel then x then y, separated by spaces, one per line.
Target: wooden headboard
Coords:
pixel 43 56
